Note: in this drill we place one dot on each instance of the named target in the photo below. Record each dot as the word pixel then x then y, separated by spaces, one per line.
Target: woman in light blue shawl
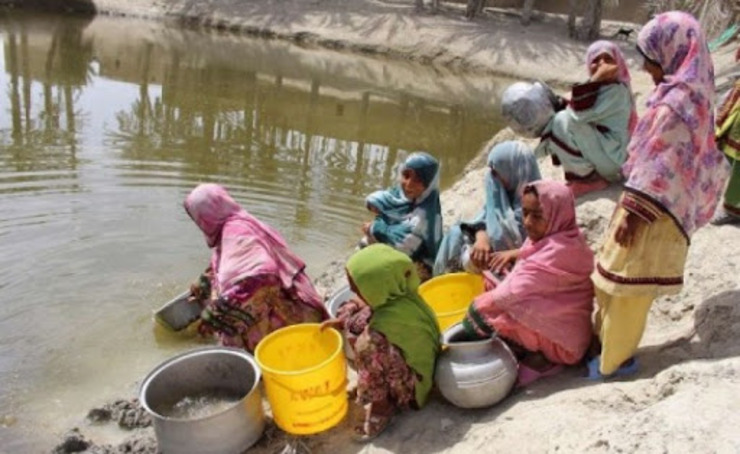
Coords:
pixel 498 227
pixel 409 215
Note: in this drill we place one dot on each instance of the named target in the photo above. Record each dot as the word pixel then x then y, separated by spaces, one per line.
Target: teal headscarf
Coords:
pixel 387 281
pixel 502 213
pixel 411 226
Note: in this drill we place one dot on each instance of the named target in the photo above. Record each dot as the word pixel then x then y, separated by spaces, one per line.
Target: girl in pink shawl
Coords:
pixel 254 284
pixel 544 304
pixel 675 175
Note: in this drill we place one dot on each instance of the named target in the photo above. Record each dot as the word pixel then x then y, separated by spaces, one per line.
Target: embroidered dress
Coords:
pixel 258 284
pixel 545 303
pixel 501 216
pixel 728 139
pixel 589 138
pixel 382 372
pixel 674 177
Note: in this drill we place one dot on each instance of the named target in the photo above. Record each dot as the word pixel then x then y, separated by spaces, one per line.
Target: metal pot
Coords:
pixel 474 374
pixel 342 295
pixel 204 371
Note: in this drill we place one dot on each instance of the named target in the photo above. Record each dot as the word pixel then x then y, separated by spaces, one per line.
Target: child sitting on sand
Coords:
pixel 394 335
pixel 409 215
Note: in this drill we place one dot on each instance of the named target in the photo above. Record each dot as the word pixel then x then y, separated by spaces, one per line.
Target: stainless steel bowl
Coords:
pixel 205 371
pixel 333 304
pixel 178 313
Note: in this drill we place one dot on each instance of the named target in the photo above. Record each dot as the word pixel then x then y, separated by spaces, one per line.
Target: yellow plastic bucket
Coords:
pixel 305 376
pixel 450 295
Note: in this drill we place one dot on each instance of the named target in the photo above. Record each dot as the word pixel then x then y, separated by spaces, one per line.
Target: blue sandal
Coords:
pixel 629 367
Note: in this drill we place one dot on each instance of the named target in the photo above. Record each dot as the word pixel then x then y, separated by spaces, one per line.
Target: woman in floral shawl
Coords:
pixel 254 284
pixel 728 140
pixel 409 215
pixel 498 227
pixel 544 304
pixel 589 138
pixel 393 333
pixel 675 175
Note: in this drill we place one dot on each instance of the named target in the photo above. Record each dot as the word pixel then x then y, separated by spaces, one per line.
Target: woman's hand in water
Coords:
pixel 606 72
pixel 502 260
pixel 334 323
pixel 627 230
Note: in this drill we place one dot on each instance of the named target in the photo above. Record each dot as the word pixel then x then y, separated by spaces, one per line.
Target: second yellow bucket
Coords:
pixel 450 295
pixel 305 376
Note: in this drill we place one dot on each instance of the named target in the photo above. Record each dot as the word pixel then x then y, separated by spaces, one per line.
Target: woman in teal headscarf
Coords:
pixel 409 215
pixel 471 245
pixel 394 335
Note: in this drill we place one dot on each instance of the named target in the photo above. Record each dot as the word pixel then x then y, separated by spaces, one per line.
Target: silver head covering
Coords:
pixel 527 107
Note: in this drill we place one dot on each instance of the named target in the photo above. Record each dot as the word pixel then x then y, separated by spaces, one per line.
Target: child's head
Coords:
pixel 535 222
pixel 411 184
pixel 419 172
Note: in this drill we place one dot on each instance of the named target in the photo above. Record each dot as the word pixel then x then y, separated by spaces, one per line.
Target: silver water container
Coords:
pixel 205 371
pixel 341 296
pixel 474 374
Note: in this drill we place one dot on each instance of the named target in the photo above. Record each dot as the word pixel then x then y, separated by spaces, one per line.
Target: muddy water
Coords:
pixel 108 123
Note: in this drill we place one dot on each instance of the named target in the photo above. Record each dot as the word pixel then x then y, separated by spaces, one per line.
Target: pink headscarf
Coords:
pixel 673 157
pixel 242 245
pixel 623 74
pixel 550 290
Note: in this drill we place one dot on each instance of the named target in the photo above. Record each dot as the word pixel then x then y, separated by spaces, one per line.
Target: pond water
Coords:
pixel 108 123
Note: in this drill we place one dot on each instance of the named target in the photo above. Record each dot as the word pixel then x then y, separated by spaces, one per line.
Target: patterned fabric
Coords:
pixel 386 280
pixel 414 227
pixel 728 139
pixel 673 157
pixel 514 166
pixel 256 307
pixel 549 291
pixel 653 265
pixel 382 372
pixel 247 254
pixel 623 74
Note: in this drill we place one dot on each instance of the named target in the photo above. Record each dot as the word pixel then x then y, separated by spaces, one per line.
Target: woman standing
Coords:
pixel 254 284
pixel 728 140
pixel 675 175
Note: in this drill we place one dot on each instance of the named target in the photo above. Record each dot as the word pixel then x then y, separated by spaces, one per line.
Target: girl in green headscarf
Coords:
pixel 394 335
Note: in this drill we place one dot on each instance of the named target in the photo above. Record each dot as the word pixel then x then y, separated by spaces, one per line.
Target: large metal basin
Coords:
pixel 210 370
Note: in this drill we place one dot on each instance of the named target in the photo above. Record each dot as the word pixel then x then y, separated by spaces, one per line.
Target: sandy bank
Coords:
pixel 685 397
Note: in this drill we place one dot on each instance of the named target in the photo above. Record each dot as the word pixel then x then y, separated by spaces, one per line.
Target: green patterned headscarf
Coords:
pixel 387 280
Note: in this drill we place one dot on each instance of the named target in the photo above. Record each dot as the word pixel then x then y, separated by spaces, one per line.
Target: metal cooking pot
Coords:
pixel 205 371
pixel 474 374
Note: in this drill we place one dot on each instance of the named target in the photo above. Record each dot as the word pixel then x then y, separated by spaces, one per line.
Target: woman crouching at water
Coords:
pixel 543 307
pixel 408 216
pixel 393 333
pixel 254 284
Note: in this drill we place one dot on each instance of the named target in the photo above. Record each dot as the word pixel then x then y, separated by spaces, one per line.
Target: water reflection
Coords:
pixel 111 122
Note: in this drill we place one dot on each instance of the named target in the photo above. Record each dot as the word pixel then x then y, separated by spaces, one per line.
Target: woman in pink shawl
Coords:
pixel 254 284
pixel 675 175
pixel 544 304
